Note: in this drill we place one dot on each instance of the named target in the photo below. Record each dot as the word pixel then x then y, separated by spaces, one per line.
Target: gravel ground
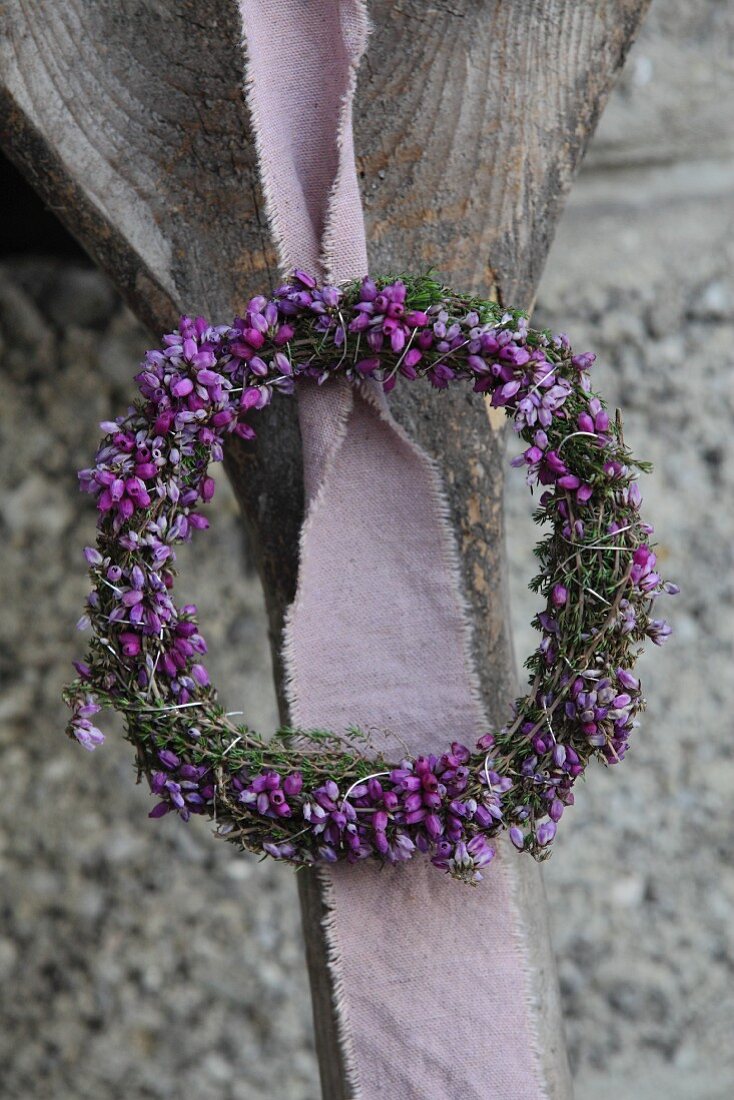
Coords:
pixel 143 959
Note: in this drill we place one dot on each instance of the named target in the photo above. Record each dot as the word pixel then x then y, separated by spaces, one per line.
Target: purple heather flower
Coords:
pixel 545 833
pixel 304 278
pixel 627 680
pixel 658 631
pixel 293 784
pixel 556 810
pixel 130 644
pixel 284 850
pixel 559 595
pixel 160 809
pixel 584 361
pixel 642 573
pixel 88 736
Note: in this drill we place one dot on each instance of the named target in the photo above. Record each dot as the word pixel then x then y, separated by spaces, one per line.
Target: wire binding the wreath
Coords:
pixel 311 795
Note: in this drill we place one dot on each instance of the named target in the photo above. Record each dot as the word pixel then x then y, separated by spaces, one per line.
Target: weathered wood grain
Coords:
pixel 129 119
pixel 471 119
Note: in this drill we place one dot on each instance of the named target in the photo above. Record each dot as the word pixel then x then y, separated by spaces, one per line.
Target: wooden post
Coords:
pixel 471 120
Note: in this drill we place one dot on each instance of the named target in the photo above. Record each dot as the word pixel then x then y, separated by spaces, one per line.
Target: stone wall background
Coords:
pixel 144 960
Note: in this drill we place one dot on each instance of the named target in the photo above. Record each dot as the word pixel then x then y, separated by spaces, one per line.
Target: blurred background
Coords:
pixel 143 959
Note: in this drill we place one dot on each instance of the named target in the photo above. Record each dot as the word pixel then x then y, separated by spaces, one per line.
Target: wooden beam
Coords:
pixel 471 119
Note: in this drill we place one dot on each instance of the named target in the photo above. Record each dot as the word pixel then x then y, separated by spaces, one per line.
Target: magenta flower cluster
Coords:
pixel 334 801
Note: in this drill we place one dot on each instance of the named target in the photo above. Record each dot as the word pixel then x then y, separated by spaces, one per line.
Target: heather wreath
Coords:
pixel 312 796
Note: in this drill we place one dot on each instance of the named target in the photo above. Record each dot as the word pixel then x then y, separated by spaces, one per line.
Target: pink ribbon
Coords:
pixel 432 981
